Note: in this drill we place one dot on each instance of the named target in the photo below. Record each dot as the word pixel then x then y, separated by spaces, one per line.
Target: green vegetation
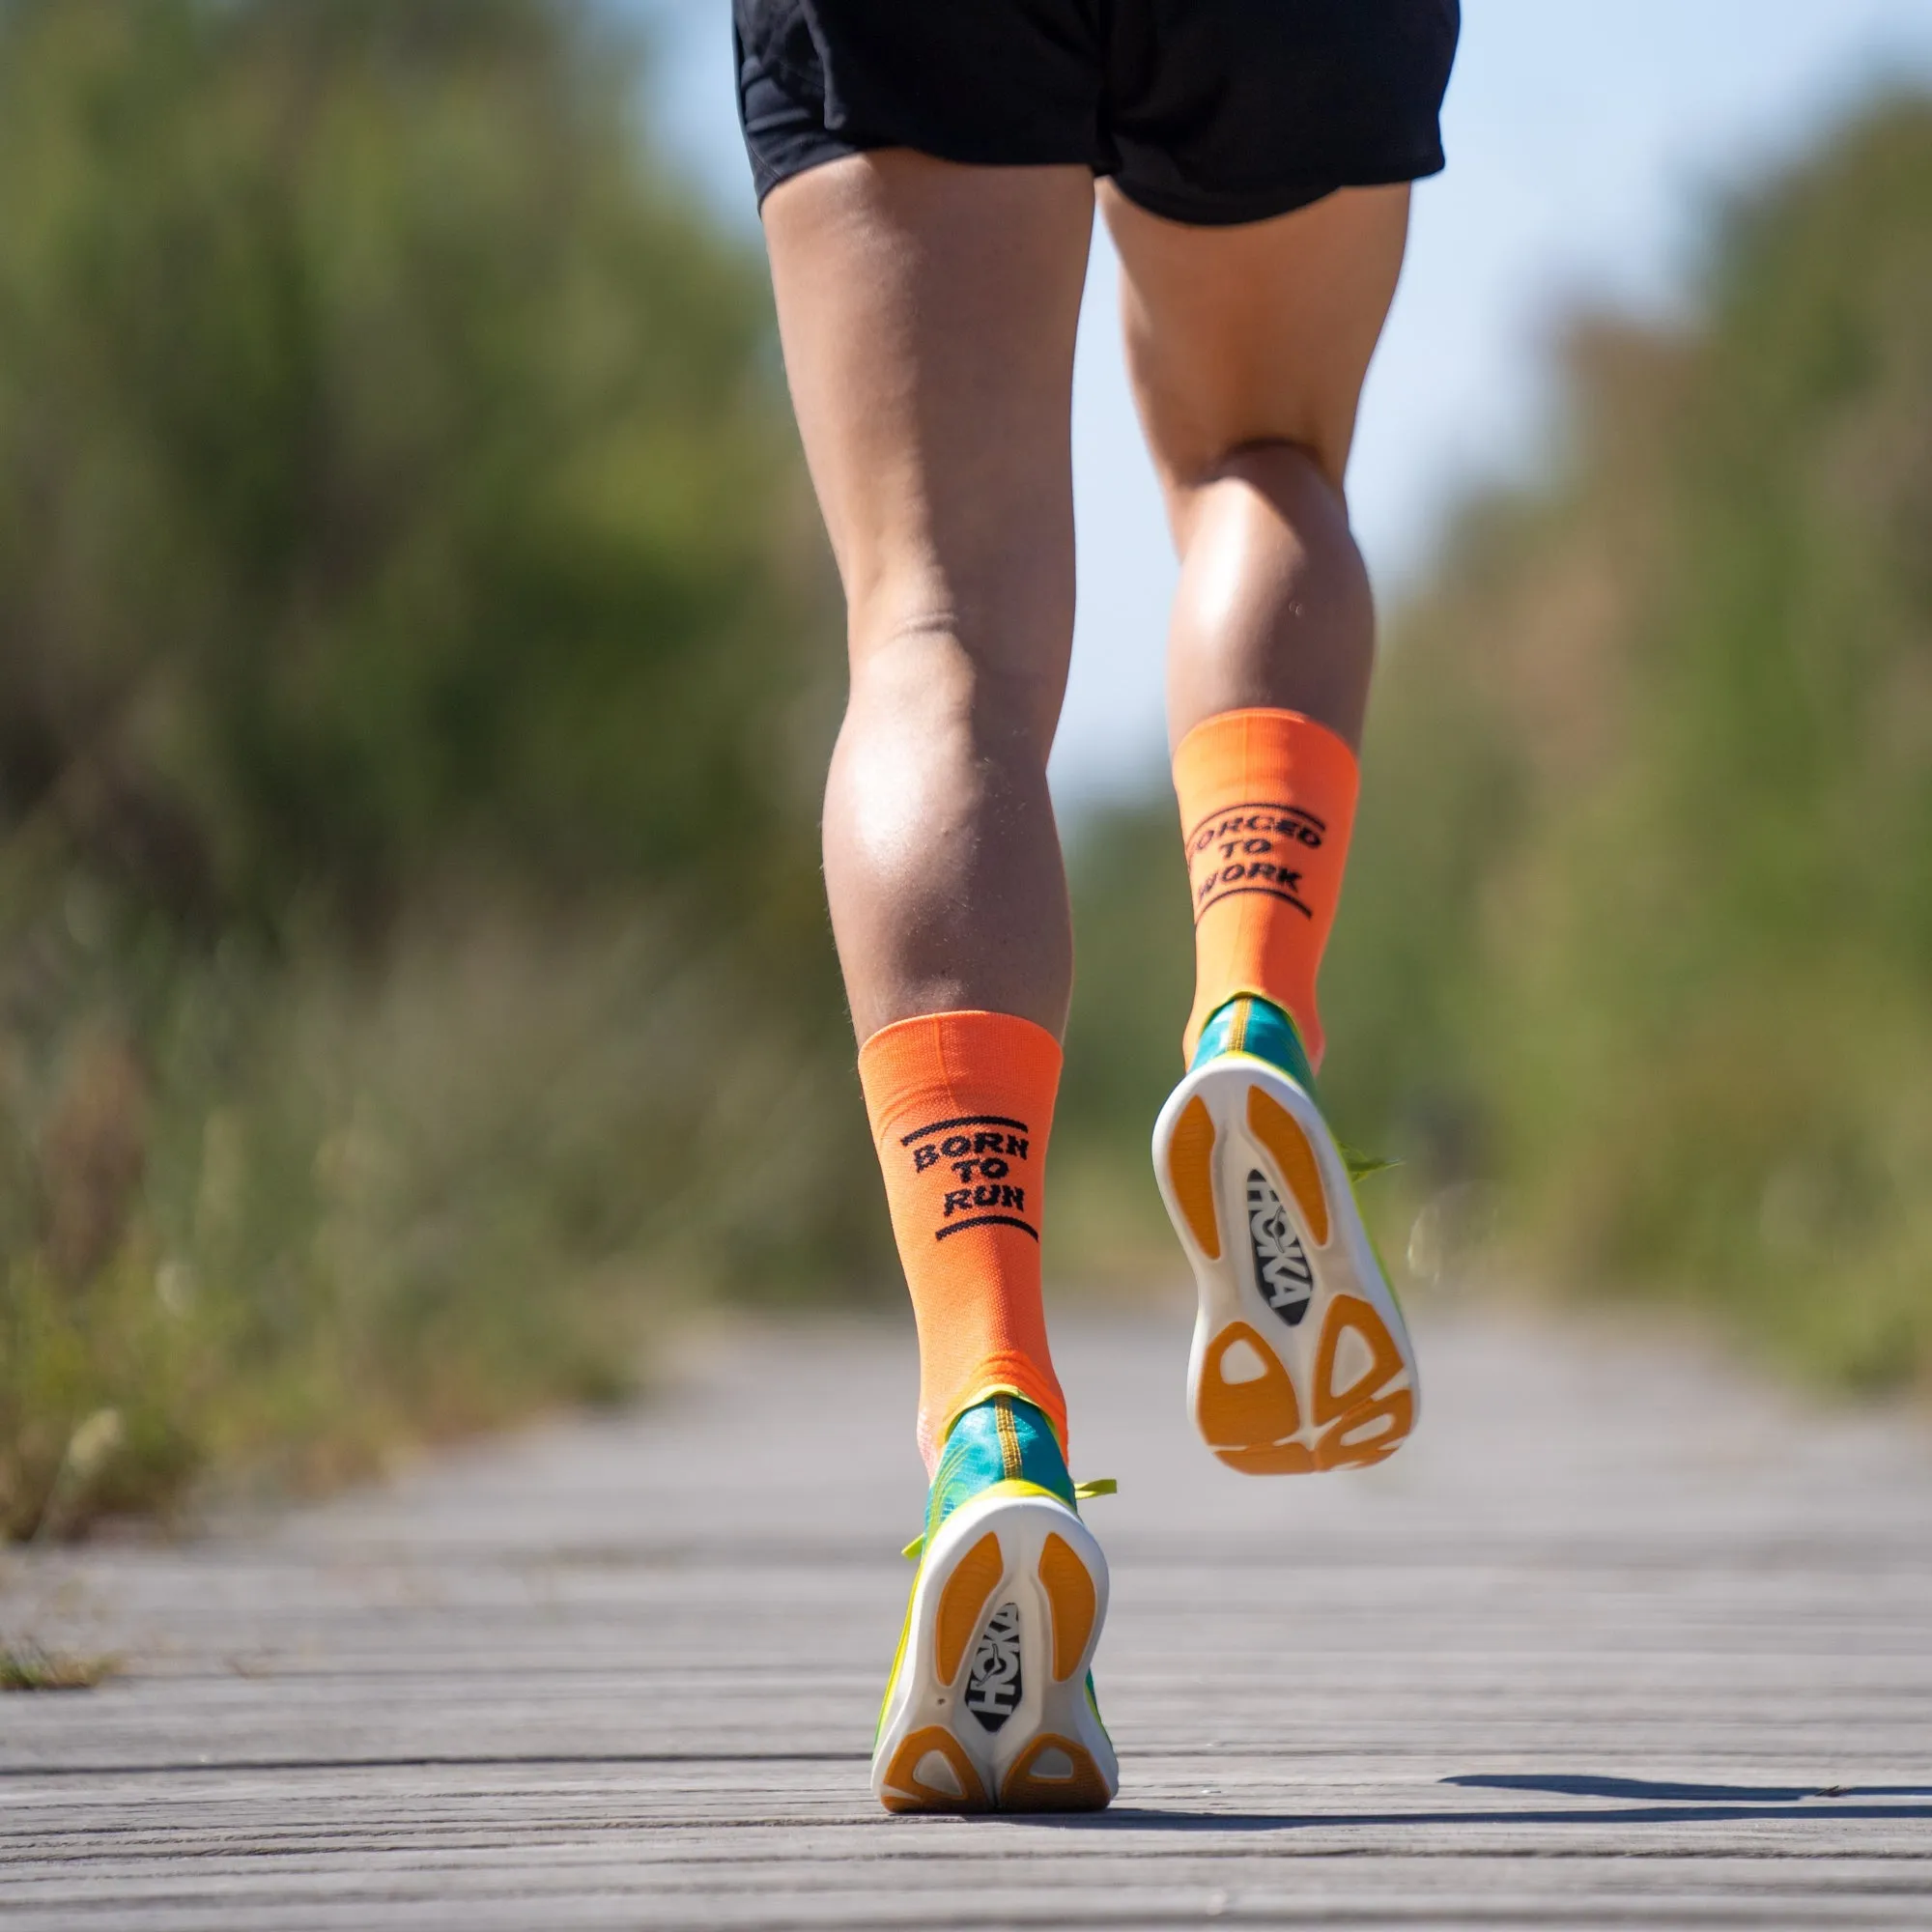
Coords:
pixel 1134 984
pixel 416 661
pixel 1638 937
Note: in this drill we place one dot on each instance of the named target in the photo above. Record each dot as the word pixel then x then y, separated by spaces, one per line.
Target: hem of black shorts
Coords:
pixel 1206 210
pixel 765 177
pixel 1196 211
pixel 841 147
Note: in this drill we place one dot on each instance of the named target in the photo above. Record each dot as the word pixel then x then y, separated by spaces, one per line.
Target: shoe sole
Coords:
pixel 1317 1371
pixel 1050 1752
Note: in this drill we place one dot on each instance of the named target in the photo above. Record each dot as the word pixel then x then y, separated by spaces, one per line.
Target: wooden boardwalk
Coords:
pixel 1622 1638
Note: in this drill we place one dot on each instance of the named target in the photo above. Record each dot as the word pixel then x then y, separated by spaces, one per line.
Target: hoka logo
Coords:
pixel 993 1689
pixel 1282 1271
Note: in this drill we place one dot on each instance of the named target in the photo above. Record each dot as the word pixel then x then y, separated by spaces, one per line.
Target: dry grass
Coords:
pixel 25 1665
pixel 294 1218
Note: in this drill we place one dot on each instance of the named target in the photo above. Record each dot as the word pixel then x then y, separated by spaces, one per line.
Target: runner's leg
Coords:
pixel 1247 347
pixel 927 313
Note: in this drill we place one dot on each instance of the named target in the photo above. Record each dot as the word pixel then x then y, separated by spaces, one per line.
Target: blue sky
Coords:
pixel 1586 144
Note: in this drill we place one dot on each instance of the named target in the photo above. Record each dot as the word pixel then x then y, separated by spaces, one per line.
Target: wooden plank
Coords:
pixel 1592 1651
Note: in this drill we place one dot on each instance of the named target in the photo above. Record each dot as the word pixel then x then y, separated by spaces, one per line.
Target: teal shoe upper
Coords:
pixel 1245 1024
pixel 1004 1438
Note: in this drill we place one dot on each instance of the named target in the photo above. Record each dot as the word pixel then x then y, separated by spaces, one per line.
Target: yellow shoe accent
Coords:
pixel 1018 1485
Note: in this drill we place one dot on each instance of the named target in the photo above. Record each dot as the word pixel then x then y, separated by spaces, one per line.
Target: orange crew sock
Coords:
pixel 1266 802
pixel 961 1105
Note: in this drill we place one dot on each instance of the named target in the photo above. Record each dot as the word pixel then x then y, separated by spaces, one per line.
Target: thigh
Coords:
pixel 1255 333
pixel 927 312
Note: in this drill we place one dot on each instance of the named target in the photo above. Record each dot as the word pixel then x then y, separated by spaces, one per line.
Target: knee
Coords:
pixel 1287 479
pixel 1280 467
pixel 1292 474
pixel 924 668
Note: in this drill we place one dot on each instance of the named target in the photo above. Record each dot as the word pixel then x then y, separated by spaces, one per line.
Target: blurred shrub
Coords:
pixel 1639 924
pixel 416 658
pixel 390 465
pixel 1134 982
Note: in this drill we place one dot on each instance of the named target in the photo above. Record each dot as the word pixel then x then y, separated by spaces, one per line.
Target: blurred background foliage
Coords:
pixel 417 659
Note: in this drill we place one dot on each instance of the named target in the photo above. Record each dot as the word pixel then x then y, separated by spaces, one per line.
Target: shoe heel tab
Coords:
pixel 1250 1024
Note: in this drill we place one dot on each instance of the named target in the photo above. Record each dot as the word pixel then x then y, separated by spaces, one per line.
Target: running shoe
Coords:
pixel 990 1705
pixel 1301 1357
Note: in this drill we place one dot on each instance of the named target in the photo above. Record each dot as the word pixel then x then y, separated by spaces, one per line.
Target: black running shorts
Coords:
pixel 1205 111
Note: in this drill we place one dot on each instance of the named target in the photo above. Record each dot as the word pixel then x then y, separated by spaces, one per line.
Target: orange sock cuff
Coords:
pixel 961 1106
pixel 1267 799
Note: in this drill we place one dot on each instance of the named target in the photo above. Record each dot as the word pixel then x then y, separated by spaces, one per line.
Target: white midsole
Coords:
pixel 1047 1704
pixel 1227 1284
